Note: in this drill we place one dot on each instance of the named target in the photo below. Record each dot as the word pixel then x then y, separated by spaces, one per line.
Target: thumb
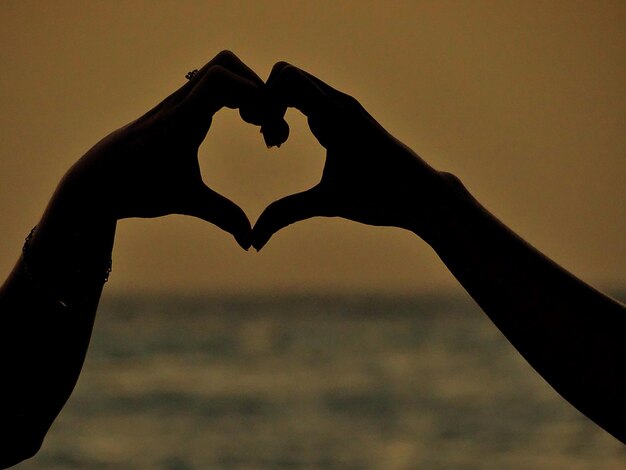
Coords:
pixel 286 211
pixel 214 208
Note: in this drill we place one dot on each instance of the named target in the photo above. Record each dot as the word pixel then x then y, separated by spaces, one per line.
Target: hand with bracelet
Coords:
pixel 569 332
pixel 148 168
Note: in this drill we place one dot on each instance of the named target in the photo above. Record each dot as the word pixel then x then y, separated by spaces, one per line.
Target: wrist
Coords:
pixel 62 270
pixel 444 210
pixel 68 255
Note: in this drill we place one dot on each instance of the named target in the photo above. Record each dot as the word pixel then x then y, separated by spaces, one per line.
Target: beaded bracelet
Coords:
pixel 29 275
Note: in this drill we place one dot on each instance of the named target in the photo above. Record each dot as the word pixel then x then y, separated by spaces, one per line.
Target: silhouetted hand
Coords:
pixel 369 176
pixel 150 167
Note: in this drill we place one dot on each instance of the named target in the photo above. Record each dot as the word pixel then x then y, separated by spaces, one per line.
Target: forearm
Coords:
pixel 47 309
pixel 570 333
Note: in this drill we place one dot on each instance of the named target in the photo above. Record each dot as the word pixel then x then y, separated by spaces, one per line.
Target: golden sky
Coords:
pixel 524 101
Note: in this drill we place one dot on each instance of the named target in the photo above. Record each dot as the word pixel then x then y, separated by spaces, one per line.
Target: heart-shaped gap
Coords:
pixel 236 163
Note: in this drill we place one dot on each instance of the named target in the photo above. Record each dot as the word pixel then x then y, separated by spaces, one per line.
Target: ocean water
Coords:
pixel 313 382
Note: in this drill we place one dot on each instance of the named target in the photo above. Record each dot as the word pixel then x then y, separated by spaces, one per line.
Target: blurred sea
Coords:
pixel 313 382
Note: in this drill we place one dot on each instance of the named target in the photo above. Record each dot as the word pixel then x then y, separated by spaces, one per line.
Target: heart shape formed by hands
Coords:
pixel 150 167
pixel 369 176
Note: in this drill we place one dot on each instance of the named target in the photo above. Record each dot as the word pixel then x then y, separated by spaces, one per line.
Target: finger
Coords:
pixel 230 61
pixel 225 59
pixel 275 131
pixel 218 88
pixel 286 211
pixel 288 86
pixel 252 111
pixel 335 94
pixel 212 207
pixel 222 87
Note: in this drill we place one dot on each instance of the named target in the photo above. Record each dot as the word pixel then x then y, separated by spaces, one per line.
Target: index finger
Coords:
pixel 219 87
pixel 225 59
pixel 290 87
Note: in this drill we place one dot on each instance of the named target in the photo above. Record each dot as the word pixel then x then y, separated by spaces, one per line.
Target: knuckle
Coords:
pixel 289 71
pixel 280 67
pixel 217 75
pixel 287 77
pixel 226 56
pixel 351 101
pixel 222 58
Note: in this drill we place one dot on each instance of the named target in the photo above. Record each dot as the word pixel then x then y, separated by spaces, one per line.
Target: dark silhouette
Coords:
pixel 569 332
pixel 148 168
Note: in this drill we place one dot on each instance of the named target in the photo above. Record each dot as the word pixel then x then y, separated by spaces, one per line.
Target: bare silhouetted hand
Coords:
pixel 150 167
pixel 369 176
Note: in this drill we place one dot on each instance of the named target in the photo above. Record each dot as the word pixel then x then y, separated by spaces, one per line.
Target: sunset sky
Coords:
pixel 524 101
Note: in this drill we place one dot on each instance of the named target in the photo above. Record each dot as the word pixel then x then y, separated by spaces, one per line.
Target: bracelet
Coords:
pixel 29 274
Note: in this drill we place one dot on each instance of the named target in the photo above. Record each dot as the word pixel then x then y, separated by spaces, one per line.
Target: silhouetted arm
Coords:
pixel 47 309
pixel 570 333
pixel 148 168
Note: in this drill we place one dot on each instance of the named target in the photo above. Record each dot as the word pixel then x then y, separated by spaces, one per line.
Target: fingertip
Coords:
pixel 275 133
pixel 250 115
pixel 259 244
pixel 284 212
pixel 225 214
pixel 243 241
pixel 242 231
pixel 259 236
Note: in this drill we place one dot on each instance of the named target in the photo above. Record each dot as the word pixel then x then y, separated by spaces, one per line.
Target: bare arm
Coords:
pixel 570 333
pixel 148 168
pixel 47 310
